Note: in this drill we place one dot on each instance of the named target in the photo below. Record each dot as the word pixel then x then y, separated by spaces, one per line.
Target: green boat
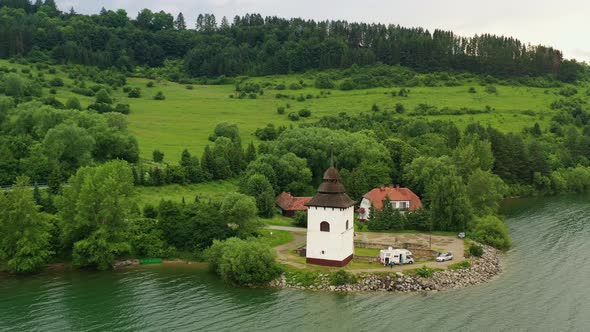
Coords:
pixel 150 261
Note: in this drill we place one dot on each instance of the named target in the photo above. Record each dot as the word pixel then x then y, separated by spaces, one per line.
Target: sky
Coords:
pixel 563 24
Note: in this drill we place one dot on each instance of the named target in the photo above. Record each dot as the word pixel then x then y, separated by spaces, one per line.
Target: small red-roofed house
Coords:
pixel 289 204
pixel 400 198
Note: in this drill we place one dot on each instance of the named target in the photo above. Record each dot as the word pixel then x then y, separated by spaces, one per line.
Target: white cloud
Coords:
pixel 563 25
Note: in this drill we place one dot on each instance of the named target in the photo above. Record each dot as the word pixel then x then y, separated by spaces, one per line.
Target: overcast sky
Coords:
pixel 563 24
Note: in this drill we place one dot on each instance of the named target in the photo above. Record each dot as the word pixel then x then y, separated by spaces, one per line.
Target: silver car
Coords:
pixel 443 257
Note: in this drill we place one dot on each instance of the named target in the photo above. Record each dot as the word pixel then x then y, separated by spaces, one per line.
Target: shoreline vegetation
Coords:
pixel 463 273
pixel 116 121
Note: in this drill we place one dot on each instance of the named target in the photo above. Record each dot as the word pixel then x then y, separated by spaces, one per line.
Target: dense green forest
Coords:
pixel 256 45
pixel 89 214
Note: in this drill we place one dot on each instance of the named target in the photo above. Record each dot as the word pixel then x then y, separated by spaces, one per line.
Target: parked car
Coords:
pixel 444 256
pixel 461 235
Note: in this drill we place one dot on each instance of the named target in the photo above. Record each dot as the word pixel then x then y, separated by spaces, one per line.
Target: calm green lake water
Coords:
pixel 545 287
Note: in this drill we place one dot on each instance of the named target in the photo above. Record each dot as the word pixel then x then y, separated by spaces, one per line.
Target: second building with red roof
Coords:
pixel 400 198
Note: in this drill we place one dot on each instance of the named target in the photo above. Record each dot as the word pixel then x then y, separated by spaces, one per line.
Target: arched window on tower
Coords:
pixel 347 225
pixel 324 226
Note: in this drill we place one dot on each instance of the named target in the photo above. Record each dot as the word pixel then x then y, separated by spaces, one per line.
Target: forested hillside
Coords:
pixel 102 106
pixel 256 45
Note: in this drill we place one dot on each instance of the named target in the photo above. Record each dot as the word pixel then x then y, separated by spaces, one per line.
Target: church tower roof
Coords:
pixel 331 192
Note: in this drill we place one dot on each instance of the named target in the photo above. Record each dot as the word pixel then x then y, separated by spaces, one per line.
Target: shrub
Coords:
pixel 101 107
pixel 126 89
pixel 159 96
pixel 134 93
pixel 56 82
pixel 83 91
pixel 475 250
pixel 293 116
pixel 280 87
pixel 305 278
pixel 399 108
pixel 281 110
pixel 190 87
pixel 300 219
pixel 568 92
pixel 304 113
pixel 342 277
pixel 53 91
pixel 103 97
pixel 52 71
pixel 158 156
pixel 324 82
pixel 492 231
pixel 97 88
pixel 123 108
pixel 460 265
pixel 295 86
pixel 301 98
pixel 425 271
pixel 403 92
pixel 252 96
pixel 52 101
pixel 243 262
pixel 375 108
pixel 472 90
pixel 347 84
pixel 267 133
pixel 491 89
pixel 150 84
pixel 74 104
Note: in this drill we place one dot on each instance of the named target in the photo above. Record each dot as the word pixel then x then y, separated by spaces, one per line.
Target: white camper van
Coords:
pixel 397 256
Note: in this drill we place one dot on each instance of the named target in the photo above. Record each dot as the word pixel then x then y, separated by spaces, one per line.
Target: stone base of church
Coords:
pixel 328 262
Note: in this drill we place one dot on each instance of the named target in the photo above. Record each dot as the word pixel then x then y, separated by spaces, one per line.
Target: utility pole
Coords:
pixel 430 240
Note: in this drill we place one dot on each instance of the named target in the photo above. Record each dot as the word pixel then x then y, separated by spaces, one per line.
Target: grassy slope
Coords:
pixel 187 117
pixel 215 190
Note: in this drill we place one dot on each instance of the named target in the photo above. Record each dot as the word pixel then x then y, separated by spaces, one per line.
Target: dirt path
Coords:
pixel 440 243
pixel 284 250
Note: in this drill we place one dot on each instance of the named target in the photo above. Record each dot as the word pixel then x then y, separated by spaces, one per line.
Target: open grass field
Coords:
pixel 215 190
pixel 187 117
pixel 275 237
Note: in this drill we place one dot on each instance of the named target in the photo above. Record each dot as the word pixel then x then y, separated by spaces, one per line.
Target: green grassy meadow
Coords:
pixel 187 117
pixel 215 190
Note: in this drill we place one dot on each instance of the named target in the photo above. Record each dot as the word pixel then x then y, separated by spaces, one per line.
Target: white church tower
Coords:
pixel 330 227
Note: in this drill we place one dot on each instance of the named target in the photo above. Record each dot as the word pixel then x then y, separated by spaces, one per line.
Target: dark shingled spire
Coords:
pixel 331 192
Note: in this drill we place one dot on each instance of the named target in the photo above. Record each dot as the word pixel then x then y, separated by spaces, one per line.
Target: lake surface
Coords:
pixel 545 287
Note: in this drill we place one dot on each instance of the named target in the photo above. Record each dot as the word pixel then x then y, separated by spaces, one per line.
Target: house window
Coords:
pixel 403 205
pixel 324 226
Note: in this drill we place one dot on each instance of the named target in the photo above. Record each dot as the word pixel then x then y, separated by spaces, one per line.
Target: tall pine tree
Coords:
pixel 179 23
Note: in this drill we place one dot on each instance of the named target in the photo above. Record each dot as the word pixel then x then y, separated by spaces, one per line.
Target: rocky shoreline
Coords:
pixel 480 270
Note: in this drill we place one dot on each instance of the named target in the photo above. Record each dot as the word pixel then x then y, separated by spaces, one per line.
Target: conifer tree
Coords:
pixel 180 24
pixel 250 153
pixel 24 231
pixel 208 163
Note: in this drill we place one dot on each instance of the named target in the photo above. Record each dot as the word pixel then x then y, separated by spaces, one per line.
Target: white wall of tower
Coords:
pixel 338 243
